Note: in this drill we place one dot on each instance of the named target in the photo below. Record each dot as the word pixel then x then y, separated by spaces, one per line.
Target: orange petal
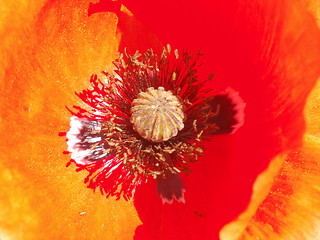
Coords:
pixel 312 112
pixel 50 52
pixel 313 6
pixel 291 209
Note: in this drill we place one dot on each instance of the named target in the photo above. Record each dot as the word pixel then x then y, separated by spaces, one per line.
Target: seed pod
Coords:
pixel 157 115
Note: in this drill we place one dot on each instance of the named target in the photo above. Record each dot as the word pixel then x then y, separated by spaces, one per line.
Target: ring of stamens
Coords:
pixel 157 115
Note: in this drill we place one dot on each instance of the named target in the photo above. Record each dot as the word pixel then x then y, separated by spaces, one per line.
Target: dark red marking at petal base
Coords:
pixel 171 188
pixel 86 142
pixel 231 111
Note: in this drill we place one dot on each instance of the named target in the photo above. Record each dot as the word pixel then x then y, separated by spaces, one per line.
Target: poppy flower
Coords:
pixel 267 51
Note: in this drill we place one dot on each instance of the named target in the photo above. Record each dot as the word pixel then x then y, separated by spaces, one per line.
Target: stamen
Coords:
pixel 148 120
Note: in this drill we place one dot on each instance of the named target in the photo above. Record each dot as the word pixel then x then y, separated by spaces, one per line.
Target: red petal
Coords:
pixel 269 52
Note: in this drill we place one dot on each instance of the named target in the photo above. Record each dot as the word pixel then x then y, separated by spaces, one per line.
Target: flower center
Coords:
pixel 157 115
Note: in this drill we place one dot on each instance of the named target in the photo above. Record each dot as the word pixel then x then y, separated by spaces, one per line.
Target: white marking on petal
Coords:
pixel 181 199
pixel 239 107
pixel 77 154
